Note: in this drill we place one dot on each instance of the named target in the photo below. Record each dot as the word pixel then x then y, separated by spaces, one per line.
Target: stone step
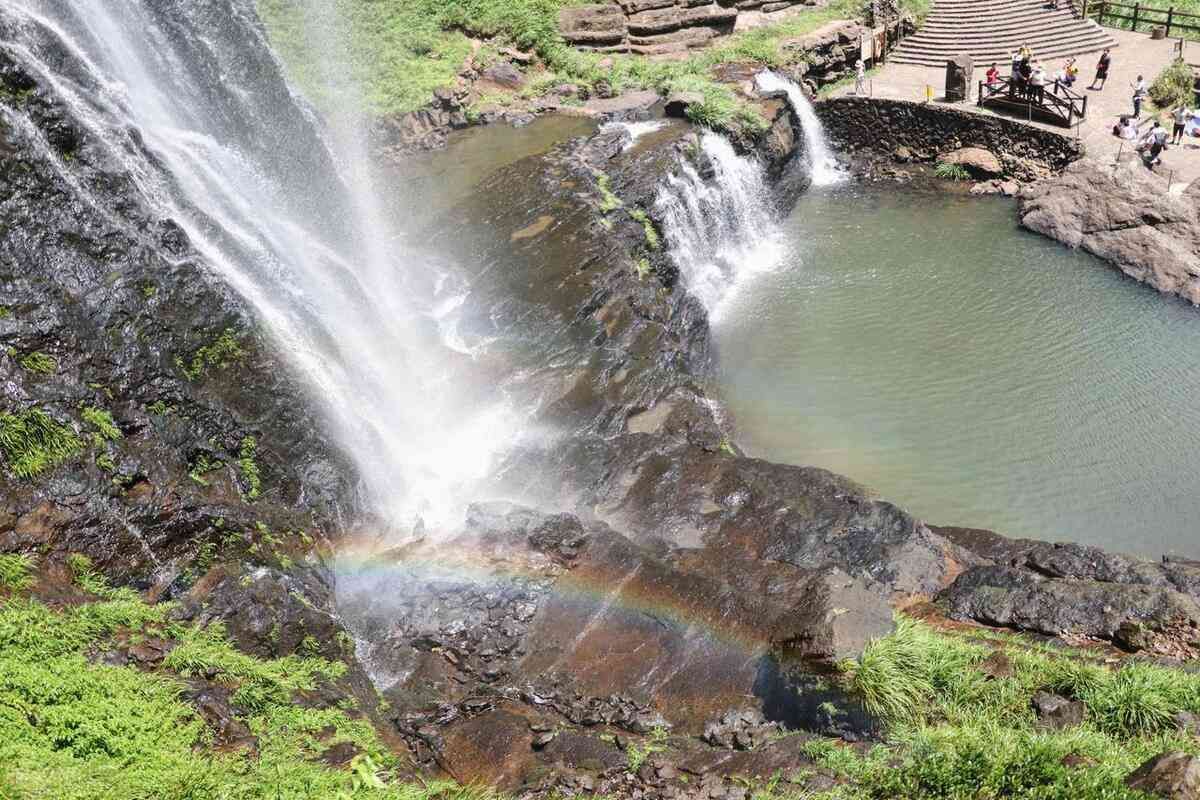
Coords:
pixel 980 59
pixel 1031 37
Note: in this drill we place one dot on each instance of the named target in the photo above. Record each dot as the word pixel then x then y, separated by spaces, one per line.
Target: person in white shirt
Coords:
pixel 1038 83
pixel 1153 144
pixel 860 76
pixel 1181 115
pixel 1139 94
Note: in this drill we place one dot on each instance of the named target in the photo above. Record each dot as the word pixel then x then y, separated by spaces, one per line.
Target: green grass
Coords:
pixel 39 363
pixel 201 466
pixel 1156 18
pixel 72 728
pixel 15 571
pixel 33 443
pixel 224 351
pixel 103 422
pixel 951 172
pixel 248 466
pixel 955 732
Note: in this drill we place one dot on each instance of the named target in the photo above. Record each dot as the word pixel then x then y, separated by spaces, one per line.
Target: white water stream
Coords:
pixel 823 167
pixel 284 211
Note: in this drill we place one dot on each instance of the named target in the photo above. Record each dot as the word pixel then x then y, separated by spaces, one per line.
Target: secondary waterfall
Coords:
pixel 720 228
pixel 187 99
pixel 823 167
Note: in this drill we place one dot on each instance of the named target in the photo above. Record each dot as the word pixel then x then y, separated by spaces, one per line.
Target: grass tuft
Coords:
pixel 39 363
pixel 951 172
pixel 248 465
pixel 33 443
pixel 15 569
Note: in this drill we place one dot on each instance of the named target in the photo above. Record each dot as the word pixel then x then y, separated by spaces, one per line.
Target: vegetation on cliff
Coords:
pixel 398 52
pixel 76 722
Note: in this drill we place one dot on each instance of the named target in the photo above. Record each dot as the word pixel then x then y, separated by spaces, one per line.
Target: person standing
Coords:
pixel 1037 82
pixel 1102 70
pixel 1180 116
pixel 860 77
pixel 993 77
pixel 1139 94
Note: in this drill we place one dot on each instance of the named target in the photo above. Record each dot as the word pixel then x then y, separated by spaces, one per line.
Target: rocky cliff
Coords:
pixel 1124 214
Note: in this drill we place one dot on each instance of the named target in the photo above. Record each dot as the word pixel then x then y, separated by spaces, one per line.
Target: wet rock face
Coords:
pixel 582 621
pixel 1124 215
pixel 192 461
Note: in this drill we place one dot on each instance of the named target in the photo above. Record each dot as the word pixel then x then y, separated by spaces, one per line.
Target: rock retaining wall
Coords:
pixel 919 132
pixel 658 27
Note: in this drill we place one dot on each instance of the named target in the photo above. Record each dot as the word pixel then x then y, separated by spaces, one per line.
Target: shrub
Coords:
pixel 1173 86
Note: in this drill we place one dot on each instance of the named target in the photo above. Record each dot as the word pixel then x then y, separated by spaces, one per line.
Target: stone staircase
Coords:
pixel 991 30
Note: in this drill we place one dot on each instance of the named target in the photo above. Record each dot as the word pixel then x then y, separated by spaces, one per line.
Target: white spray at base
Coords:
pixel 720 229
pixel 823 167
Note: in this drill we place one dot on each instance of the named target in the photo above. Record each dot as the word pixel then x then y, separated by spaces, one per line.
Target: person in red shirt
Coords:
pixel 993 76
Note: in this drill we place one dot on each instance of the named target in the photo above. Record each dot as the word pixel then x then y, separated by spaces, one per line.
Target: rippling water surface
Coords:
pixel 974 373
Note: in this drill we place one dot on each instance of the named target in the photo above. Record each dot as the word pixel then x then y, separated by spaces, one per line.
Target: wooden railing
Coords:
pixel 1139 17
pixel 1055 103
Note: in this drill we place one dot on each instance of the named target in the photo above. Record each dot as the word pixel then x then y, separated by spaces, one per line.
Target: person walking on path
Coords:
pixel 860 77
pixel 1101 70
pixel 1139 94
pixel 1181 115
pixel 1153 145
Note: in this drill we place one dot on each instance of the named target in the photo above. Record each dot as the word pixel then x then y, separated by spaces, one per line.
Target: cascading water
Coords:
pixel 823 167
pixel 721 229
pixel 283 211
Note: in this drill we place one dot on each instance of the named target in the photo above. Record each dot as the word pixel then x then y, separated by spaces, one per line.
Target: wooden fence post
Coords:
pixel 1137 7
pixel 1170 14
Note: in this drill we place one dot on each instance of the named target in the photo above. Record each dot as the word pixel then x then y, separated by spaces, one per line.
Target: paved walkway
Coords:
pixel 1135 54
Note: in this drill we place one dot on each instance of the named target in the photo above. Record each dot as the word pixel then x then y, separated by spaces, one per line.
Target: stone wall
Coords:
pixel 658 27
pixel 920 132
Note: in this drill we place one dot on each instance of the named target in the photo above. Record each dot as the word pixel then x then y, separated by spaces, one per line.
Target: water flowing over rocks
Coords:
pixel 1124 214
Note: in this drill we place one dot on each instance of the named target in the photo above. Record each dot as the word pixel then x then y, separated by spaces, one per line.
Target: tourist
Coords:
pixel 1139 94
pixel 1101 70
pixel 1060 79
pixel 1026 71
pixel 1072 70
pixel 1016 64
pixel 1126 129
pixel 1026 53
pixel 1181 115
pixel 993 77
pixel 1153 145
pixel 1037 83
pixel 860 77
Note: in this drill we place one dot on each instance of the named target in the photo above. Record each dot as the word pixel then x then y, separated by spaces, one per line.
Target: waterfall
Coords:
pixel 721 230
pixel 188 100
pixel 823 167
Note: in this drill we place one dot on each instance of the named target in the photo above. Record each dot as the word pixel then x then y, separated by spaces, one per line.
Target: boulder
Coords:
pixel 594 25
pixel 504 74
pixel 979 162
pixel 1123 214
pixel 1019 598
pixel 628 106
pixel 1057 712
pixel 678 102
pixel 1173 776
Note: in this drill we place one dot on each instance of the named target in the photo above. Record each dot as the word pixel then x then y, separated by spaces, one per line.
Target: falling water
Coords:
pixel 823 167
pixel 721 229
pixel 283 210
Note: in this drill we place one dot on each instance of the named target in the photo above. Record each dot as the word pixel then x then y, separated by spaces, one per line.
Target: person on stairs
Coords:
pixel 1101 70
